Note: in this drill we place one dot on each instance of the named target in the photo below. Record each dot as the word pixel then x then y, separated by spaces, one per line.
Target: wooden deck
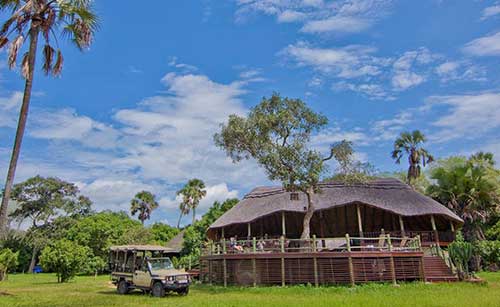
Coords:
pixel 288 261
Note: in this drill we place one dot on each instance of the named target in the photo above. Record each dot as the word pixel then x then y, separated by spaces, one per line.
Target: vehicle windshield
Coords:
pixel 161 264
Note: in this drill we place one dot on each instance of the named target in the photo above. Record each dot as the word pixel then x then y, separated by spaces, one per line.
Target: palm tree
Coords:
pixel 143 203
pixel 27 21
pixel 184 210
pixel 411 145
pixel 192 193
pixel 470 188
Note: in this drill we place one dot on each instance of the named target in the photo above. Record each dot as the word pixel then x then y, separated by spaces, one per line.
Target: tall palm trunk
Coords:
pixel 194 215
pixel 179 221
pixel 306 227
pixel 21 125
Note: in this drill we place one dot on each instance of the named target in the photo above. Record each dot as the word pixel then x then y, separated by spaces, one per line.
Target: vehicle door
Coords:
pixel 142 277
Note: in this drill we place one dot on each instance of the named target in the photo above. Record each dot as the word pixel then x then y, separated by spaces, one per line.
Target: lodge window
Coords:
pixel 294 196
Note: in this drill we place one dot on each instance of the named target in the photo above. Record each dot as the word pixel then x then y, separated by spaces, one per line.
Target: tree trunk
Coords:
pixel 306 229
pixel 33 259
pixel 21 125
pixel 179 221
pixel 194 215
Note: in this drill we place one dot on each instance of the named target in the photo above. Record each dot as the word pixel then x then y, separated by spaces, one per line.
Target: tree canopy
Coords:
pixel 468 186
pixel 143 205
pixel 277 133
pixel 192 193
pixel 411 145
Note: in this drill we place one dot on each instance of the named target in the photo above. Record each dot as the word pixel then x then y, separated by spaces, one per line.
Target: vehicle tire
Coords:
pixel 183 292
pixel 158 290
pixel 122 287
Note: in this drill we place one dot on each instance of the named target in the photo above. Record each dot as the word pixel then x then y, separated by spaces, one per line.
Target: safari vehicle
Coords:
pixel 147 268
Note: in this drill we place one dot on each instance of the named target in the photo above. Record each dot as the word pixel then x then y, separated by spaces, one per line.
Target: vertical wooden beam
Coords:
pixel 283 224
pixel 209 272
pixel 434 228
pixel 391 260
pixel 452 226
pixel 360 221
pixel 315 262
pixel 222 233
pixel 282 244
pixel 402 226
pixel 249 231
pixel 224 264
pixel 254 267
pixel 351 267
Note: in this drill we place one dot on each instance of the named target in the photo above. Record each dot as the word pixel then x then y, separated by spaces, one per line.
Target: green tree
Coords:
pixel 349 170
pixel 411 145
pixel 65 258
pixel 143 204
pixel 42 200
pixel 28 20
pixel 276 133
pixel 191 193
pixel 8 260
pixel 162 233
pixel 470 187
pixel 102 230
pixel 16 240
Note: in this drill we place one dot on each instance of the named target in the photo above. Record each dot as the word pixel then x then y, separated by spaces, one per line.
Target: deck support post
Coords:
pixel 351 267
pixel 434 228
pixel 283 223
pixel 391 260
pixel 282 244
pixel 360 223
pixel 254 267
pixel 222 233
pixel 315 262
pixel 224 264
pixel 452 226
pixel 402 226
pixel 249 231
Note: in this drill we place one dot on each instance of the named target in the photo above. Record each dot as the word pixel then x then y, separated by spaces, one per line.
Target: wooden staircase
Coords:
pixel 436 270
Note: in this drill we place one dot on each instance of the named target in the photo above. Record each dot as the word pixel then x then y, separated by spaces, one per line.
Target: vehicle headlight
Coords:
pixel 170 278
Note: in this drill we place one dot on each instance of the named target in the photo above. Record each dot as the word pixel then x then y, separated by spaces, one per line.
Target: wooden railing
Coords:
pixel 382 243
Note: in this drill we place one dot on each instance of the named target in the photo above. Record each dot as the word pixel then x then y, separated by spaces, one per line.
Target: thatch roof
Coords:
pixel 176 242
pixel 387 194
pixel 152 248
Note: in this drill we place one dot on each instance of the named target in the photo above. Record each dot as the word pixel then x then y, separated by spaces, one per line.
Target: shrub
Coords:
pixel 490 253
pixel 65 258
pixel 8 260
pixel 461 253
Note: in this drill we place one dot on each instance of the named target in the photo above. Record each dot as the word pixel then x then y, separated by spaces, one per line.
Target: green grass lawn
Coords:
pixel 42 290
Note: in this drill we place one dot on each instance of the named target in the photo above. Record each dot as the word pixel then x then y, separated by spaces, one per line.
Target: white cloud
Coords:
pixel 318 16
pixel 404 68
pixel 460 71
pixel 345 24
pixel 325 138
pixel 372 90
pixel 348 62
pixel 65 124
pixel 9 109
pixel 491 11
pixel 469 116
pixel 389 129
pixel 484 46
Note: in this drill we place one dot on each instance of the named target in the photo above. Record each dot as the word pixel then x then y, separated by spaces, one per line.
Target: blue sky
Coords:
pixel 138 110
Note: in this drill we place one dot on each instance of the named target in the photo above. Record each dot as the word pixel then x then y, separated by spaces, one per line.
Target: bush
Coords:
pixel 460 253
pixel 65 258
pixel 8 260
pixel 490 253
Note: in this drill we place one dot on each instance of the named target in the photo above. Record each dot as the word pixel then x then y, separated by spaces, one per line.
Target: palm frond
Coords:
pixel 57 69
pixel 25 66
pixel 48 55
pixel 14 50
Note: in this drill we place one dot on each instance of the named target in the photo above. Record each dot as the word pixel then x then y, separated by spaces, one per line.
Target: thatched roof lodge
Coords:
pixel 381 205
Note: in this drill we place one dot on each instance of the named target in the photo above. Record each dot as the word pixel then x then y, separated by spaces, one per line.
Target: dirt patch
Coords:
pixel 5 294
